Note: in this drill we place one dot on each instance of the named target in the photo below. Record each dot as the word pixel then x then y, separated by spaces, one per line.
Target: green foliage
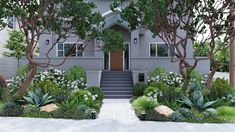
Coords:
pixel 76 73
pixel 11 109
pixel 38 98
pixel 226 111
pixel 220 88
pixel 156 72
pixel 5 94
pixel 138 89
pixel 201 50
pixel 61 96
pixel 68 105
pixel 97 92
pixel 16 45
pixel 197 102
pixel 22 70
pixel 151 91
pixel 113 40
pixel 152 115
pixel 144 104
pixel 30 109
pixel 47 86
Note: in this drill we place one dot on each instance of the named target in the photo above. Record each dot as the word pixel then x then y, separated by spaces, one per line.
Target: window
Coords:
pixel 10 22
pixel 159 50
pixel 69 49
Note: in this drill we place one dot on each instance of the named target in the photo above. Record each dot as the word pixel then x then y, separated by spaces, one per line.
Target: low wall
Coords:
pixel 146 65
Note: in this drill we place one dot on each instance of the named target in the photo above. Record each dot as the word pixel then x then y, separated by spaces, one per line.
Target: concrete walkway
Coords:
pixel 115 116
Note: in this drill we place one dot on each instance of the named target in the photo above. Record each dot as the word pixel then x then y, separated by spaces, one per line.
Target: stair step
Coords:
pixel 115 85
pixel 116 82
pixel 117 92
pixel 117 96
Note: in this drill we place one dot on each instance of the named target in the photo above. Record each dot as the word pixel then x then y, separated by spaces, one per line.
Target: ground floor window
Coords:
pixel 158 50
pixel 70 49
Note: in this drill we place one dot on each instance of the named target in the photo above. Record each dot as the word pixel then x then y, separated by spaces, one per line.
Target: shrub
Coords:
pixel 156 72
pixel 38 98
pixel 77 75
pixel 68 114
pixel 151 92
pixel 15 84
pixel 220 89
pixel 138 89
pixel 97 93
pixel 226 111
pixel 46 86
pixel 68 105
pixel 85 97
pixel 152 115
pixel 30 109
pixel 22 70
pixel 11 109
pixel 197 102
pixel 61 95
pixel 144 104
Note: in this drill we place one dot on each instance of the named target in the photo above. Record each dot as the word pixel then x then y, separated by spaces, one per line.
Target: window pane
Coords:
pixel 162 50
pixel 70 49
pixel 60 46
pixel 152 50
pixel 79 49
pixel 10 22
pixel 60 53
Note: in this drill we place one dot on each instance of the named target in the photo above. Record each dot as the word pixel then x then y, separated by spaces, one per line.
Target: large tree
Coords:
pixel 62 18
pixel 178 22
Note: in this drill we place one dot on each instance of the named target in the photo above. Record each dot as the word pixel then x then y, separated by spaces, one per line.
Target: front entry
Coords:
pixel 116 60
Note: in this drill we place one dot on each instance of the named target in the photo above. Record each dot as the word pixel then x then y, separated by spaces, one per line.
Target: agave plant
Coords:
pixel 38 98
pixel 198 102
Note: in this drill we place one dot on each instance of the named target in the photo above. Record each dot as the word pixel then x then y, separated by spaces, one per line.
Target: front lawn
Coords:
pixel 54 94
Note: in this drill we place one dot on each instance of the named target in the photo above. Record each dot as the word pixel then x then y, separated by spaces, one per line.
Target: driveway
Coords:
pixel 115 116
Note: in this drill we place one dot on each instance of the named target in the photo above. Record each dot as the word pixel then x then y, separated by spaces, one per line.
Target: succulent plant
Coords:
pixel 38 98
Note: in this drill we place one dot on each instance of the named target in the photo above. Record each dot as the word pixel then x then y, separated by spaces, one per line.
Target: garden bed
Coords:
pixel 54 94
pixel 164 99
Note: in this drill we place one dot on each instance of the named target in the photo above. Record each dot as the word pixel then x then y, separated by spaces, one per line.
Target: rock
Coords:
pixel 49 107
pixel 163 110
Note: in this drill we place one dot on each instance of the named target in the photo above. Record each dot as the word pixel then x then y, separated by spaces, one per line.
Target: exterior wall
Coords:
pixel 92 65
pixel 102 5
pixel 8 67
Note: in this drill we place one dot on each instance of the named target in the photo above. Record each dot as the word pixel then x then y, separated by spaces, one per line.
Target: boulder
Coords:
pixel 163 110
pixel 49 107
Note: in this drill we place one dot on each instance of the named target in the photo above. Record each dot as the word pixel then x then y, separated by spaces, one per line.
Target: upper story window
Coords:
pixel 10 22
pixel 70 49
pixel 158 50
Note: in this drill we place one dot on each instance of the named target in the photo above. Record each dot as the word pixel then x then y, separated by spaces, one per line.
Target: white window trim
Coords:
pixel 57 50
pixel 156 43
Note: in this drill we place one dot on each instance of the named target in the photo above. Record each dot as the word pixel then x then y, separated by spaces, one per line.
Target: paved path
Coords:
pixel 115 116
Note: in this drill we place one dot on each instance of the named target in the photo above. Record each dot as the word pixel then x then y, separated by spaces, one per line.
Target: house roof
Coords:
pixel 113 18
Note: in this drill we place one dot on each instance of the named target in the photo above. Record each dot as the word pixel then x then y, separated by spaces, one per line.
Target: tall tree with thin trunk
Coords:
pixel 63 19
pixel 178 22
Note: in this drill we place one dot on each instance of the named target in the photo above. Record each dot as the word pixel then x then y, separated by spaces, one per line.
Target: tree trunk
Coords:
pixel 212 73
pixel 3 82
pixel 31 73
pixel 186 76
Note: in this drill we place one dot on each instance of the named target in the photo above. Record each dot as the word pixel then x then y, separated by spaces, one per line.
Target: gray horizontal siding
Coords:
pixel 8 67
pixel 149 64
pixel 88 63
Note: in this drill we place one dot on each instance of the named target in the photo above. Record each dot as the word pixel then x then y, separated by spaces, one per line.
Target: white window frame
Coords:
pixel 157 43
pixel 77 43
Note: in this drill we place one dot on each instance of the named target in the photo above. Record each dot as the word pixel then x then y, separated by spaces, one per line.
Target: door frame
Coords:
pixel 123 58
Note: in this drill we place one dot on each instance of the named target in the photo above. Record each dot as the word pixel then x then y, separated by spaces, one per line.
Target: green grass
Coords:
pixel 226 111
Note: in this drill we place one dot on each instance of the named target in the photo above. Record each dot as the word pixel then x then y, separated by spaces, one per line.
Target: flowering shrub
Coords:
pixel 175 79
pixel 77 75
pixel 15 84
pixel 152 92
pixel 59 78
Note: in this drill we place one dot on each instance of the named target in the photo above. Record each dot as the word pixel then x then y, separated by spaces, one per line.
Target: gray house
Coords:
pixel 116 72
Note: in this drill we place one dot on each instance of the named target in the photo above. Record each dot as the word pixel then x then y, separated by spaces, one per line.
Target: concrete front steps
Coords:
pixel 117 84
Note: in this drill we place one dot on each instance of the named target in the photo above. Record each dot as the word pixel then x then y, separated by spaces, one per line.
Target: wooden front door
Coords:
pixel 116 60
